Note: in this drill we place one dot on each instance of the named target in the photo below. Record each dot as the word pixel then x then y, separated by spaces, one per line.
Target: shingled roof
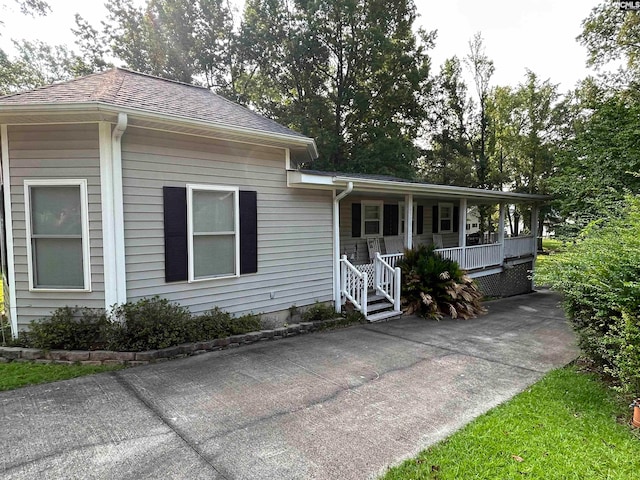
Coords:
pixel 120 87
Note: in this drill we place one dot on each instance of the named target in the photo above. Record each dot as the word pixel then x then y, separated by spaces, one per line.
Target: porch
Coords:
pixel 376 218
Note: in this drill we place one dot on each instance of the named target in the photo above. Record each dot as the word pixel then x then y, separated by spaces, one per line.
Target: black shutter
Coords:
pixel 456 218
pixel 435 226
pixel 390 220
pixel 175 234
pixel 248 232
pixel 356 219
pixel 419 220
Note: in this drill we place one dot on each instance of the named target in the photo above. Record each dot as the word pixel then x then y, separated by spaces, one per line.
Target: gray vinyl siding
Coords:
pixel 356 248
pixel 294 225
pixel 54 152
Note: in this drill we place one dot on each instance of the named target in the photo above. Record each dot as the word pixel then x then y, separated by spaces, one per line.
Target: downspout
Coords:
pixel 118 208
pixel 336 245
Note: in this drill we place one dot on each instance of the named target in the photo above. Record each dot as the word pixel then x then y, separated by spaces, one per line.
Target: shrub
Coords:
pixel 245 324
pixel 68 328
pixel 433 286
pixel 212 324
pixel 318 312
pixel 598 276
pixel 148 324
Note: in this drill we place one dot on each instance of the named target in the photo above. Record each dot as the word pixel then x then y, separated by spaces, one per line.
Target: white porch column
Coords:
pixel 408 221
pixel 462 223
pixel 462 230
pixel 501 211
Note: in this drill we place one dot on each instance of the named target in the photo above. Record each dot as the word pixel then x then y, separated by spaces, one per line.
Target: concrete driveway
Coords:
pixel 342 404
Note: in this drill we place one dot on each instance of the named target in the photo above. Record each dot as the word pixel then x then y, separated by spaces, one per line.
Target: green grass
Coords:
pixel 563 427
pixel 20 374
pixel 552 249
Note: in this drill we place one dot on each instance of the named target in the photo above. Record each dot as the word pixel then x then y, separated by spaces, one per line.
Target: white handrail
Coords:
pixel 387 281
pixel 353 285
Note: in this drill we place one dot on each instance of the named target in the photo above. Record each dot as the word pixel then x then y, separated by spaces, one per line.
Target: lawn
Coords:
pixel 567 426
pixel 20 374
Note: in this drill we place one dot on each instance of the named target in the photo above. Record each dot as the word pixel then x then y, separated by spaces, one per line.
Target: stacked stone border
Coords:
pixel 109 357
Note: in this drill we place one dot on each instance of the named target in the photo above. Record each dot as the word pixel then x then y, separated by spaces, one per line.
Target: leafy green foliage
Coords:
pixel 597 167
pixel 599 277
pixel 69 328
pixel 562 427
pixel 148 324
pixel 433 286
pixel 318 312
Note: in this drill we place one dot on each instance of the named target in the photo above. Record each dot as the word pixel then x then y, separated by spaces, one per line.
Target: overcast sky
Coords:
pixel 535 34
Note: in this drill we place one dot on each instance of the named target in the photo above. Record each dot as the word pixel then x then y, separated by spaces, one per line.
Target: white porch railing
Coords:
pixel 470 258
pixel 392 258
pixel 387 280
pixel 353 285
pixel 518 246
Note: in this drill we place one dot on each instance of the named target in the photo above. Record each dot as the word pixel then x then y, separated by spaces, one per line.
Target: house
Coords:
pixel 118 186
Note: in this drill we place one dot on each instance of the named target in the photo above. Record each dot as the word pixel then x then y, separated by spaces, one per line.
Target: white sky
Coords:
pixel 518 34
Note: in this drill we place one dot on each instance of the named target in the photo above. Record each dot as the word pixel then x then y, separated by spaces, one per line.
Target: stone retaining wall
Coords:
pixel 108 357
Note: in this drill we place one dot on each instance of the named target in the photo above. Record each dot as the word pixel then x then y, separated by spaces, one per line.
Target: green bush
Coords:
pixel 318 312
pixel 212 324
pixel 68 328
pixel 148 324
pixel 599 277
pixel 245 324
pixel 433 286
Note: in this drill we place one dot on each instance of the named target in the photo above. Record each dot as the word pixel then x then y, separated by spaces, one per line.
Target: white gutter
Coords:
pixel 118 209
pixel 336 245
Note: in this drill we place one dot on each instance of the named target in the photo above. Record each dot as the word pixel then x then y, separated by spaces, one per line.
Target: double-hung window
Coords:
pixel 213 232
pixel 372 218
pixel 402 218
pixel 446 217
pixel 57 234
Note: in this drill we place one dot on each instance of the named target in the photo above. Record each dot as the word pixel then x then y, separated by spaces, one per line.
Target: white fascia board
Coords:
pixel 137 115
pixel 310 180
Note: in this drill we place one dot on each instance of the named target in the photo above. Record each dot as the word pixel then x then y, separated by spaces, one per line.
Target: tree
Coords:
pixel 448 161
pixel 185 41
pixel 600 163
pixel 482 70
pixel 350 73
pixel 610 34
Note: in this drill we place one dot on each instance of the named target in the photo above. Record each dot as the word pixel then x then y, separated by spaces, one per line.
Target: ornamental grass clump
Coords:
pixel 433 286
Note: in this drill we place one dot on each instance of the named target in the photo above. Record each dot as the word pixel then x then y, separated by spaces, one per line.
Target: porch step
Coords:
pixel 377 317
pixel 379 308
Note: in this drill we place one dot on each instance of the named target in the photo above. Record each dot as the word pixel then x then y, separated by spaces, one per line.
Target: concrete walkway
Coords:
pixel 343 404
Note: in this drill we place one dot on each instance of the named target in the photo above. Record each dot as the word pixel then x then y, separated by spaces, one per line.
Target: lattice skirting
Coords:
pixel 512 281
pixel 368 268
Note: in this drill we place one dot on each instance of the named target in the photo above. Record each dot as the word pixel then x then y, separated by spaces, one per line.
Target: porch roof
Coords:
pixel 391 185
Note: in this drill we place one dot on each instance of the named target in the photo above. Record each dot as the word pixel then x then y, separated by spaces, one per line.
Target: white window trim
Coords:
pixel 369 203
pixel 401 213
pixel 84 218
pixel 216 188
pixel 440 217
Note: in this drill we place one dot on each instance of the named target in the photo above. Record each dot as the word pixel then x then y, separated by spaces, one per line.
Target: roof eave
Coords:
pixel 309 180
pixel 61 112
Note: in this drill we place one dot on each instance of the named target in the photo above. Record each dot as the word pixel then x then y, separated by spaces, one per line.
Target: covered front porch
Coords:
pixel 377 218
